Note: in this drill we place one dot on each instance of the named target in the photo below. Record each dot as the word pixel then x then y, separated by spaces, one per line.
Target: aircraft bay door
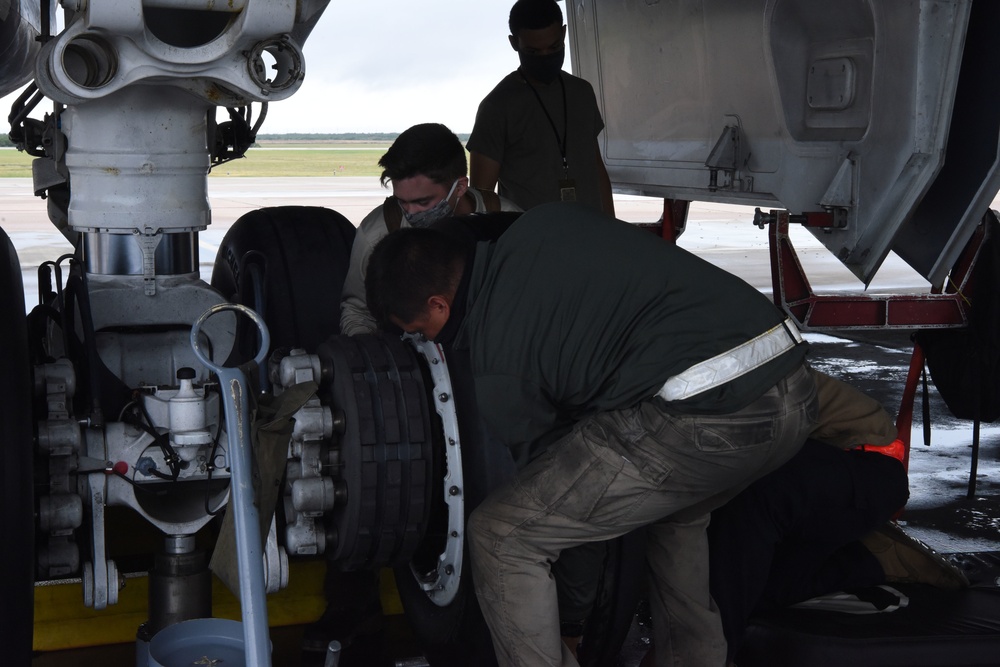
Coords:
pixel 882 114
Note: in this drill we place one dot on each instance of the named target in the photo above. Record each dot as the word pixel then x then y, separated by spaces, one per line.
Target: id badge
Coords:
pixel 567 190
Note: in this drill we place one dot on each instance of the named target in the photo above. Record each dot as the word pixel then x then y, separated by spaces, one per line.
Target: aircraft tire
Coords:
pixel 456 635
pixel 288 263
pixel 16 465
pixel 385 452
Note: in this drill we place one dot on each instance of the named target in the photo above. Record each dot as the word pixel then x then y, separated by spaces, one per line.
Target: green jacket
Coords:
pixel 571 312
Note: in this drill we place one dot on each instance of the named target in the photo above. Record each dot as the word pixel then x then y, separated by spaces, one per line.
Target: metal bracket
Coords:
pixel 148 240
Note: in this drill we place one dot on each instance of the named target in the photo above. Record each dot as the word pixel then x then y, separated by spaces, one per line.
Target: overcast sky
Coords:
pixel 384 65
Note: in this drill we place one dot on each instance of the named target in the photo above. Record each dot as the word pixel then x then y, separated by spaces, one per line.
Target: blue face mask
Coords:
pixel 428 216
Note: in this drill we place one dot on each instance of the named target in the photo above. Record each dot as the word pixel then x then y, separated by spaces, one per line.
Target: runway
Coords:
pixel 720 233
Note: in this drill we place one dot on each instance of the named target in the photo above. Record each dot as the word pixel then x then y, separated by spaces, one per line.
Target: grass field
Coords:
pixel 296 160
pixel 304 162
pixel 14 164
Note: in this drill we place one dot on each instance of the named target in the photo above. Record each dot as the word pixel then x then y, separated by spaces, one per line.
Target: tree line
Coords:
pixel 338 136
pixel 5 141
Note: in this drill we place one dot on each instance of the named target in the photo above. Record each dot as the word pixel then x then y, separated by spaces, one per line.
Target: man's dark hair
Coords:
pixel 408 267
pixel 533 15
pixel 428 149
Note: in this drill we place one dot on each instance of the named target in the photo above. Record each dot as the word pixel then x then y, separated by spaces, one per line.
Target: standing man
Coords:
pixel 636 385
pixel 427 168
pixel 536 132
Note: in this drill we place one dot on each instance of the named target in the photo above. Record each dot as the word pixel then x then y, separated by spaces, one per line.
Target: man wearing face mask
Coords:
pixel 427 169
pixel 536 133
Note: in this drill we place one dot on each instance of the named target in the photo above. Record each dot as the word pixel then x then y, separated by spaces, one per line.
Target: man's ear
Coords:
pixel 461 187
pixel 513 41
pixel 438 304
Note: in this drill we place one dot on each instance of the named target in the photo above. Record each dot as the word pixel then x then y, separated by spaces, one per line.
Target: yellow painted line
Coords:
pixel 301 602
pixel 389 595
pixel 62 622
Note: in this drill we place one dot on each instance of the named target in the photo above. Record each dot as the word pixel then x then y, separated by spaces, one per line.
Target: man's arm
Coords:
pixel 484 172
pixel 604 183
pixel 354 315
pixel 848 417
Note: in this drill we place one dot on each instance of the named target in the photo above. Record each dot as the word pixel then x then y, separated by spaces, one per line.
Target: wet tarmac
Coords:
pixel 940 511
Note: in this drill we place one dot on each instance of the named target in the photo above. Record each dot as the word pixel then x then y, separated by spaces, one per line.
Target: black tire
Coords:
pixel 288 263
pixel 16 465
pixel 385 450
pixel 456 635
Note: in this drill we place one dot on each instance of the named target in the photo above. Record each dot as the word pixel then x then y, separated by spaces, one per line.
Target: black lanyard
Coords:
pixel 559 140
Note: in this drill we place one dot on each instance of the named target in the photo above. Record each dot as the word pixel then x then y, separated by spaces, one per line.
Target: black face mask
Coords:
pixel 543 69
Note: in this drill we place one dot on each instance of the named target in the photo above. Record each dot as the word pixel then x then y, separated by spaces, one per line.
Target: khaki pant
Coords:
pixel 615 472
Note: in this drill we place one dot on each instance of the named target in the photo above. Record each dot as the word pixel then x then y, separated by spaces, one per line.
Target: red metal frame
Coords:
pixel 673 221
pixel 940 308
pixel 904 419
pixel 793 294
pixel 675 213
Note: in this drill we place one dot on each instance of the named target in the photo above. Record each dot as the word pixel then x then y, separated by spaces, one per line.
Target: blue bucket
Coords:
pixel 200 641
